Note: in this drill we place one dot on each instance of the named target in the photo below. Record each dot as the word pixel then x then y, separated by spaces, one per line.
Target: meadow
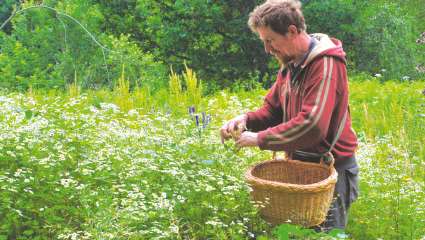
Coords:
pixel 115 164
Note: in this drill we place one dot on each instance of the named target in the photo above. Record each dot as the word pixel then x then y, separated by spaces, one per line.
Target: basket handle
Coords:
pixel 327 159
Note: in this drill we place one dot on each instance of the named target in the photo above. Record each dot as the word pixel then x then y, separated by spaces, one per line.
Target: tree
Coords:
pixel 212 37
pixel 60 42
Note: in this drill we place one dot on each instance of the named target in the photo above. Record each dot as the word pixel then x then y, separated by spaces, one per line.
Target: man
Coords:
pixel 305 113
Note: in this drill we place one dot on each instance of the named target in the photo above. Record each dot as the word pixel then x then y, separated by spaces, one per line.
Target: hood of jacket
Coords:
pixel 325 46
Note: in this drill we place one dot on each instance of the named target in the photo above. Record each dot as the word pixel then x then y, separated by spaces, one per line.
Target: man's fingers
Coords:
pixel 224 134
pixel 235 127
pixel 239 143
pixel 232 129
pixel 238 126
pixel 231 126
pixel 225 137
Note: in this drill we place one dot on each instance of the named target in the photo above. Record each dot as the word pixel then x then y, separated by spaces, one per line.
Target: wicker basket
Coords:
pixel 292 191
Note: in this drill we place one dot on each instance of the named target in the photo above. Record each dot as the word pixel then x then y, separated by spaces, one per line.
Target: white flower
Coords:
pixel 10 153
pixel 213 223
pixel 133 113
pixel 93 109
pixel 209 188
pixel 110 106
pixel 174 228
pixel 378 75
pixel 67 182
pixel 181 198
pixel 19 212
pixel 18 172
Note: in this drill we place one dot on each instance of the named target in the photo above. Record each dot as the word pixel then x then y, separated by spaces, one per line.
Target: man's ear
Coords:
pixel 292 30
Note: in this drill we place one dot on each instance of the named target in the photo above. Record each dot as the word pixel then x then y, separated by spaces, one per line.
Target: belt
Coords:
pixel 316 157
pixel 306 156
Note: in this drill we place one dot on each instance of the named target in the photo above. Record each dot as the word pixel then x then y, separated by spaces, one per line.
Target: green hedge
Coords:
pixel 45 49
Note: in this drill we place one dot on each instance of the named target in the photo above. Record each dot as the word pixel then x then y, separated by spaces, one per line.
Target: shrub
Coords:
pixel 338 23
pixel 48 49
pixel 378 37
pixel 210 36
pixel 385 39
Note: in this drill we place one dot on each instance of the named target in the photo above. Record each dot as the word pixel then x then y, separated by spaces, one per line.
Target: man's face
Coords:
pixel 277 45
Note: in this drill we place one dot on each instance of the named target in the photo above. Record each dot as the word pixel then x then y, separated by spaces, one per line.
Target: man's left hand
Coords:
pixel 247 139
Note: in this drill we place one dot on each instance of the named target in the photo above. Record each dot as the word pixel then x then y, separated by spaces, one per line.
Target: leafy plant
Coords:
pixel 186 92
pixel 55 42
pixel 288 231
pixel 386 40
pixel 212 37
pixel 83 167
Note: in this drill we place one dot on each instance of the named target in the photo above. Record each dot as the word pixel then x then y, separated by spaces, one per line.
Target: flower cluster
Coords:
pixel 90 171
pixel 201 120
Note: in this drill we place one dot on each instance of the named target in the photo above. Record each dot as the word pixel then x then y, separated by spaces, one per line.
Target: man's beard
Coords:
pixel 284 60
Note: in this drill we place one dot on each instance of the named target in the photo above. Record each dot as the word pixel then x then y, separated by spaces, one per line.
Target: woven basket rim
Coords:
pixel 313 187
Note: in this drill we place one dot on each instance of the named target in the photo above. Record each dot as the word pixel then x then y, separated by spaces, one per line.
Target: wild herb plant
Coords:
pixel 84 167
pixel 389 118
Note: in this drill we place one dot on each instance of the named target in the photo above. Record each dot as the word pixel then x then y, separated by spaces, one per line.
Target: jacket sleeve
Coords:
pixel 270 114
pixel 311 124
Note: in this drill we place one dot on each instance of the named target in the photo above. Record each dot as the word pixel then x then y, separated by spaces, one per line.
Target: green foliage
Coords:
pixel 141 67
pixel 213 38
pixel 187 92
pixel 74 88
pixel 288 231
pixel 389 118
pixel 175 88
pixel 379 36
pixel 388 41
pixel 338 23
pixel 210 36
pixel 193 87
pixel 88 166
pixel 48 49
pixel 122 92
pixel 114 173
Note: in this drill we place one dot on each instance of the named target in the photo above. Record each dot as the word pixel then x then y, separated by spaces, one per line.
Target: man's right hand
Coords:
pixel 233 128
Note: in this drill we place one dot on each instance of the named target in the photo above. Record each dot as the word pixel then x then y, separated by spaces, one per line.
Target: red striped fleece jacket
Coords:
pixel 305 113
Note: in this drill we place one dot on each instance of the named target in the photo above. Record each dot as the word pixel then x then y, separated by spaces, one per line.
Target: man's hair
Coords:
pixel 278 15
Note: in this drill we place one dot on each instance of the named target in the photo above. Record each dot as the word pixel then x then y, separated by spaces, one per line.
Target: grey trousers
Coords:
pixel 346 192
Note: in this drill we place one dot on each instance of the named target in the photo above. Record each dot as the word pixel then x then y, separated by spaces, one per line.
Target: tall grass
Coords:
pixel 184 90
pixel 176 88
pixel 122 94
pixel 74 88
pixel 193 86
